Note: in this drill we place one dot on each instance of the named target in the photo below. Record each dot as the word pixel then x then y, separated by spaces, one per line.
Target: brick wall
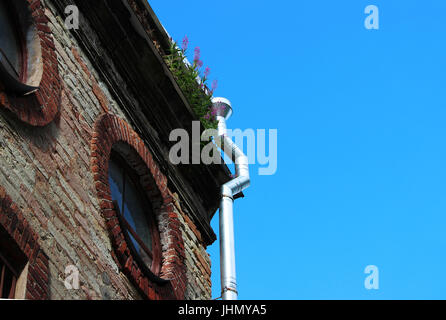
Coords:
pixel 48 173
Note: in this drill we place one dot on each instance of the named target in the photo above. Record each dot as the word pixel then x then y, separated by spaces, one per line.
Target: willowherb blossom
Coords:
pixel 207 71
pixel 185 43
pixel 197 55
pixel 214 85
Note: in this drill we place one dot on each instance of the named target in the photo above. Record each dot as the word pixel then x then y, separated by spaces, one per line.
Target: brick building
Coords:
pixel 85 180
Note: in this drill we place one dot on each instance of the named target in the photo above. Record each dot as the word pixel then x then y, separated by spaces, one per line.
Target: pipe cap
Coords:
pixel 222 107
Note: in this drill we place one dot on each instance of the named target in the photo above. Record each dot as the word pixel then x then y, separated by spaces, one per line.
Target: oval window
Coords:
pixel 14 28
pixel 135 214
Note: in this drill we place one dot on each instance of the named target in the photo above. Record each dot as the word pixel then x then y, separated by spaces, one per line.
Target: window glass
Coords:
pixel 134 213
pixel 134 209
pixel 10 52
pixel 7 280
pixel 115 178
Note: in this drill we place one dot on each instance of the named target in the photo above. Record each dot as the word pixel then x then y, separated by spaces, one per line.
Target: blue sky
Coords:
pixel 360 114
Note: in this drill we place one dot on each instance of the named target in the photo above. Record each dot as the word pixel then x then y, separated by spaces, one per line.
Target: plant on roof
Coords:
pixel 192 80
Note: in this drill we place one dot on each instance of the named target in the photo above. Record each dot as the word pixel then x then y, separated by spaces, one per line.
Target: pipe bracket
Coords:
pixel 225 289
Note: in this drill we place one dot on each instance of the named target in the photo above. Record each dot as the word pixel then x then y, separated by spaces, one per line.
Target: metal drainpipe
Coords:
pixel 223 110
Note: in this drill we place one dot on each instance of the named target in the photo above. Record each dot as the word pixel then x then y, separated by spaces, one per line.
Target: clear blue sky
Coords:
pixel 361 119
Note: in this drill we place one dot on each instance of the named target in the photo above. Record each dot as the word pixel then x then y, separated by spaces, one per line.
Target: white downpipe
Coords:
pixel 242 181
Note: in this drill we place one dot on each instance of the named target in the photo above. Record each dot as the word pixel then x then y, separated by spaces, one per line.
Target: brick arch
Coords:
pixel 112 133
pixel 40 107
pixel 13 222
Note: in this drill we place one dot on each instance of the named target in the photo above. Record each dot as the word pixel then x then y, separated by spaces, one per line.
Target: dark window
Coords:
pixel 12 264
pixel 11 49
pixel 14 30
pixel 135 213
pixel 8 279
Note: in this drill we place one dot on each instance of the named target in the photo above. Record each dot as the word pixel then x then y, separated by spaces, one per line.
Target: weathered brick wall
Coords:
pixel 46 172
pixel 198 263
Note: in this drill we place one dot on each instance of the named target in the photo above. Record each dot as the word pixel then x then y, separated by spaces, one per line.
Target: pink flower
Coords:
pixel 197 60
pixel 214 85
pixel 185 43
pixel 207 72
pixel 197 55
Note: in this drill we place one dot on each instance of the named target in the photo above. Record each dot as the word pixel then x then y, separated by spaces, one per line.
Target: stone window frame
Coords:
pixel 36 270
pixel 113 133
pixel 38 108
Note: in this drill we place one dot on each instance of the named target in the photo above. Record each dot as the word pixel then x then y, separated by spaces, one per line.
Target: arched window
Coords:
pixel 10 48
pixel 135 214
pixel 8 279
pixel 14 28
pixel 13 273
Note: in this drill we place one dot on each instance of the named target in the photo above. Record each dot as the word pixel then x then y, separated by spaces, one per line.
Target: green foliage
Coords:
pixel 192 84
